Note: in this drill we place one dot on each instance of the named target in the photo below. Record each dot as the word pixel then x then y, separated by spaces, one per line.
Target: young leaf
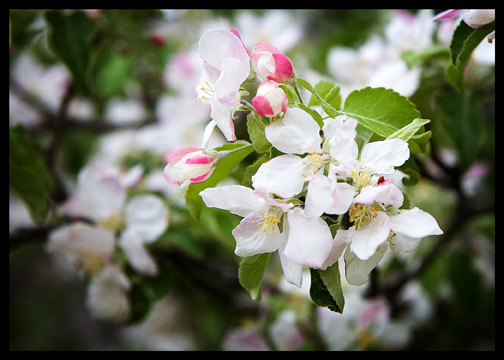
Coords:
pixel 381 110
pixel 329 91
pixel 325 288
pixel 250 273
pixel 237 152
pixel 328 108
pixel 406 132
pixel 255 126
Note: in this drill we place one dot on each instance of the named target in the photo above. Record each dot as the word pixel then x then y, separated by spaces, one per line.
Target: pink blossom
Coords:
pixel 188 165
pixel 270 99
pixel 271 63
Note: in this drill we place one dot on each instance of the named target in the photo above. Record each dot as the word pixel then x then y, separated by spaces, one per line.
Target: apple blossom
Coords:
pixel 270 99
pixel 106 297
pixel 84 245
pixel 475 18
pixel 295 133
pixel 146 218
pixel 271 63
pixel 188 165
pixel 226 66
pixel 303 241
pixel 377 220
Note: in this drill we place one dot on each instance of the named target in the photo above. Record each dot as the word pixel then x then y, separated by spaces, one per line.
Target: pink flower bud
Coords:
pixel 271 63
pixel 270 99
pixel 188 165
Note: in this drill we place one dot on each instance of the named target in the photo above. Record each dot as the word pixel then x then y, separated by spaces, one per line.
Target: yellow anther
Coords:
pixel 269 220
pixel 361 178
pixel 208 91
pixel 316 161
pixel 361 214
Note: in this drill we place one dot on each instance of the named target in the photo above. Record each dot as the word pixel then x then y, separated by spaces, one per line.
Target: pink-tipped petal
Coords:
pixel 178 153
pixel 262 106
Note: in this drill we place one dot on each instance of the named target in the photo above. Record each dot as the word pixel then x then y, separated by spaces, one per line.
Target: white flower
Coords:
pixel 107 297
pixel 295 133
pixel 304 240
pixel 146 218
pixel 226 67
pixel 83 245
pixel 378 223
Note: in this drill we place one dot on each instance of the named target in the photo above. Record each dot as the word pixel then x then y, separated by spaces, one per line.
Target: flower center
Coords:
pixel 269 220
pixel 207 92
pixel 361 214
pixel 316 161
pixel 362 177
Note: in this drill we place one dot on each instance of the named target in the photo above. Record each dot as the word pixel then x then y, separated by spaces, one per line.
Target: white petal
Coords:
pixel 414 223
pixel 147 216
pixel 293 272
pixel 340 242
pixel 383 156
pixel 281 175
pixel 216 45
pixel 402 244
pixel 222 115
pixel 309 240
pixel 318 200
pixel 295 133
pixel 228 85
pixel 251 240
pixel 366 240
pixel 387 194
pixel 237 199
pixel 357 270
pixel 137 254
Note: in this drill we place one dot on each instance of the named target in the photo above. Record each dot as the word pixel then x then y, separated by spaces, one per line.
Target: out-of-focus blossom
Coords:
pixel 146 218
pixel 244 340
pixel 285 332
pixel 379 62
pixel 85 246
pixel 107 294
pixel 273 27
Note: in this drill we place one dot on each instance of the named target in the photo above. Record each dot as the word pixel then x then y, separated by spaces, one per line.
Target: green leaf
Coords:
pixel 405 133
pixel 28 175
pixel 255 127
pixel 328 91
pixel 237 151
pixel 328 108
pixel 465 40
pixel 69 36
pixel 325 288
pixel 381 110
pixel 251 272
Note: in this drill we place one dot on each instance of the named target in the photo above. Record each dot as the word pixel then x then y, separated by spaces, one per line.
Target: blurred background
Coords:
pixel 118 87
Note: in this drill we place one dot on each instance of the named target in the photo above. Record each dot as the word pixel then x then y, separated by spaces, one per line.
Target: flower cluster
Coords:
pixel 110 229
pixel 319 196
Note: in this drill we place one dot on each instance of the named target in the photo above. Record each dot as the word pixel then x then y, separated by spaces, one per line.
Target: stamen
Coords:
pixel 361 214
pixel 316 161
pixel 270 219
pixel 207 90
pixel 361 178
